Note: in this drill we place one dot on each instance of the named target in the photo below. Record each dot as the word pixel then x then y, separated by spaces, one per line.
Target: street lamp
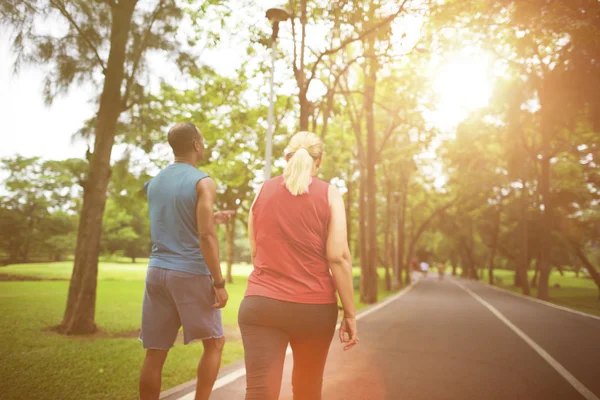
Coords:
pixel 275 15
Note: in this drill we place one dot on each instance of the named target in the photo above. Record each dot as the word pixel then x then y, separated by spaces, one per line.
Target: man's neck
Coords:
pixel 185 160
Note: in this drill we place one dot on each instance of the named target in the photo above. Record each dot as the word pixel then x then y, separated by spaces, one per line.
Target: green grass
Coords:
pixel 576 293
pixel 109 271
pixel 44 364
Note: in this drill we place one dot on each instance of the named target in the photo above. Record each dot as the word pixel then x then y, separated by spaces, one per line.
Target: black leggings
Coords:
pixel 267 326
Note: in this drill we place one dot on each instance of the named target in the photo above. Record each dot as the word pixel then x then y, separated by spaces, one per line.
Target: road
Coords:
pixel 453 339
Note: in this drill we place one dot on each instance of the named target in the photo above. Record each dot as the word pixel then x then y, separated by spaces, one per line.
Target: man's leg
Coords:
pixel 208 368
pixel 150 377
pixel 160 324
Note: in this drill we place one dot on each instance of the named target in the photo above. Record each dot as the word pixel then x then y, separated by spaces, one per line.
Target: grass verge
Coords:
pixel 567 290
pixel 38 363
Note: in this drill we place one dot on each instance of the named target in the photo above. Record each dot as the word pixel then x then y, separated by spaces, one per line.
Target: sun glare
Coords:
pixel 463 83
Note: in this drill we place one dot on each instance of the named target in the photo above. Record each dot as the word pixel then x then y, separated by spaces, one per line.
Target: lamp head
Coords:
pixel 277 14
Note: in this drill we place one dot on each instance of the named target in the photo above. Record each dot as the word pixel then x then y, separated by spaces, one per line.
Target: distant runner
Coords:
pixel 424 268
pixel 441 267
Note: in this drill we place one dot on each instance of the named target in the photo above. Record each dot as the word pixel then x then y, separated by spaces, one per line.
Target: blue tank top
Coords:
pixel 172 201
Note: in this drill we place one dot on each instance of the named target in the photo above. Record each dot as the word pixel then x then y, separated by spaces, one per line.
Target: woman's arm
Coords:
pixel 251 228
pixel 340 263
pixel 251 236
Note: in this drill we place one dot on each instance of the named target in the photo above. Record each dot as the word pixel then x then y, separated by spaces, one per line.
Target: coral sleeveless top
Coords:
pixel 291 235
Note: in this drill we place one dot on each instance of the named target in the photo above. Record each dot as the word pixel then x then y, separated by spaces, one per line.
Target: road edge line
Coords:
pixel 546 303
pixel 562 371
pixel 238 373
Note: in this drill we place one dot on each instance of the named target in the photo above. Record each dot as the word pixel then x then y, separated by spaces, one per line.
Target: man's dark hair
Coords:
pixel 182 138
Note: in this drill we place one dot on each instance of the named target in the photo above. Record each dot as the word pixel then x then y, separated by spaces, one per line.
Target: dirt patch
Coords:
pixel 21 278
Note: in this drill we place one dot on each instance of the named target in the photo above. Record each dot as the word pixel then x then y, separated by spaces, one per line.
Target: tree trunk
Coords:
pixel 301 75
pixel 544 187
pixel 230 235
pixel 133 260
pixel 454 266
pixel 401 235
pixel 81 302
pixel 494 245
pixel 588 265
pixel 304 110
pixel 369 100
pixel 362 237
pixel 523 263
pixel 388 238
pixel 536 273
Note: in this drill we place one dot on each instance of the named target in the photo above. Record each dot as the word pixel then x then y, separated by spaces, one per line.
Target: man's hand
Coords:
pixel 221 297
pixel 222 217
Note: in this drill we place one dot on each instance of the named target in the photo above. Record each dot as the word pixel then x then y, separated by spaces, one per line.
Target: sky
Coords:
pixel 31 128
pixel 35 129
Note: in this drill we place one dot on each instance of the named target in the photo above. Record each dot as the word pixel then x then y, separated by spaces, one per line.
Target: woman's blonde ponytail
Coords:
pixel 304 149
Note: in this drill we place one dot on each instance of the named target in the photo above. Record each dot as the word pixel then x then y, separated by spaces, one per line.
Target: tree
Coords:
pixel 39 203
pixel 547 47
pixel 106 43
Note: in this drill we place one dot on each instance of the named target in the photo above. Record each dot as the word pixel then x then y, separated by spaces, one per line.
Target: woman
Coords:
pixel 297 232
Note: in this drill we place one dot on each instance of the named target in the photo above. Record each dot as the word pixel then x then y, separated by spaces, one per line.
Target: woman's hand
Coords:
pixel 348 328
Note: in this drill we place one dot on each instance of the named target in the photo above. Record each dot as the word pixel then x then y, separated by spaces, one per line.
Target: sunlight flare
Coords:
pixel 463 83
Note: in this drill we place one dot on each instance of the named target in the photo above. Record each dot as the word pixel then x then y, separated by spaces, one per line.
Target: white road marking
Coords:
pixel 238 373
pixel 580 387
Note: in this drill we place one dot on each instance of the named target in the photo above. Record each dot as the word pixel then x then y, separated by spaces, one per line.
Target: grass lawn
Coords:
pixel 577 293
pixel 37 363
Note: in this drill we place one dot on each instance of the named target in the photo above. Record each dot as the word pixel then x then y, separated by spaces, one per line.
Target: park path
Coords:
pixel 455 339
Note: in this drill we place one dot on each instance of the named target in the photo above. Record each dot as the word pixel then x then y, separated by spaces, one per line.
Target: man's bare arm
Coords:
pixel 209 242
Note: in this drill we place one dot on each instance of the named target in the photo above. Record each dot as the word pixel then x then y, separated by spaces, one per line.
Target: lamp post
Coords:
pixel 275 15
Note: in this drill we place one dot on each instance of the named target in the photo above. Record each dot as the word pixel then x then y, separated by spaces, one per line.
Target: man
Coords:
pixel 184 285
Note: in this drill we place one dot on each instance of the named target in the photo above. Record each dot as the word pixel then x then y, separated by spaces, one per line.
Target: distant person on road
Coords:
pixel 184 285
pixel 297 232
pixel 441 267
pixel 424 268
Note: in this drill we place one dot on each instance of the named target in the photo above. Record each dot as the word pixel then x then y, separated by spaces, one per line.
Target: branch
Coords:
pixel 303 22
pixel 138 56
pixel 425 223
pixel 65 13
pixel 377 103
pixel 355 122
pixel 348 41
pixel 392 127
pixel 294 63
pixel 331 93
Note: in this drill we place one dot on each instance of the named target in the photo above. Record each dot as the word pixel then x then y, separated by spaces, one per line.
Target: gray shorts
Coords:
pixel 173 299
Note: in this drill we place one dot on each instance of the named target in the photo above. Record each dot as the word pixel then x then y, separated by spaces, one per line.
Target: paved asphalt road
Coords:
pixel 440 342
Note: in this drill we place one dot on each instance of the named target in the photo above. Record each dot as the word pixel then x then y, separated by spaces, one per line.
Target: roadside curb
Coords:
pixel 236 370
pixel 547 303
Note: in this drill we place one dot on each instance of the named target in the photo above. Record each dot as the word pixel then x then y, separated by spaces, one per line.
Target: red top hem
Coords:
pixel 313 298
